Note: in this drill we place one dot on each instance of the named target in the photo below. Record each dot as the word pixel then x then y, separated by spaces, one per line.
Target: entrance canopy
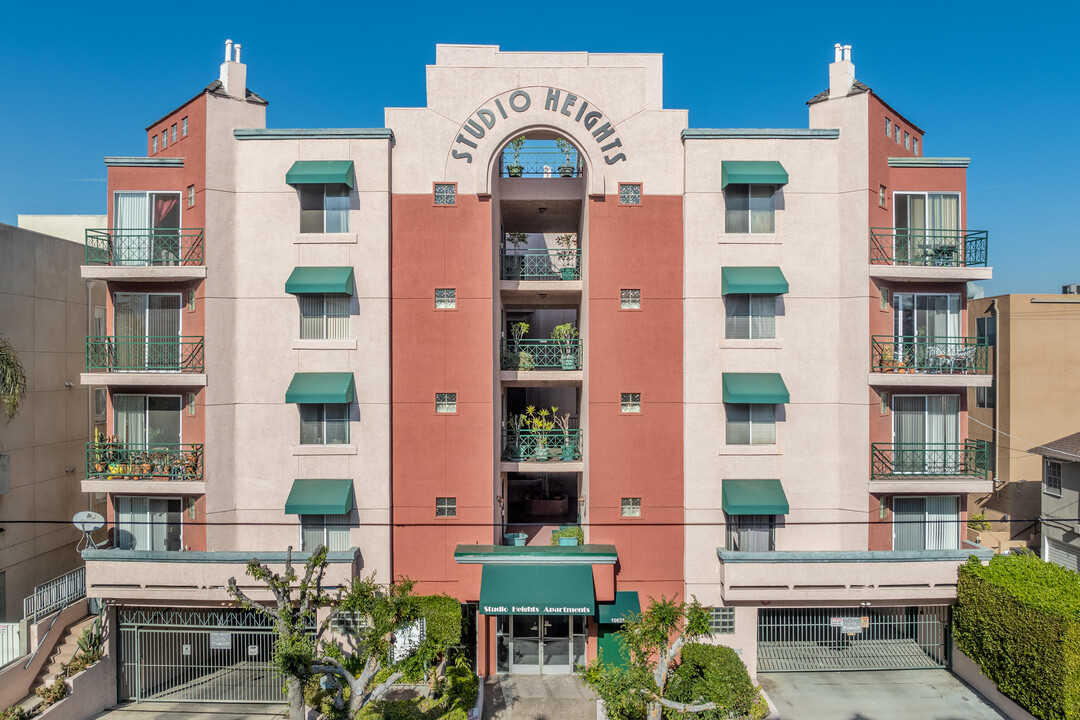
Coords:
pixel 625 605
pixel 538 589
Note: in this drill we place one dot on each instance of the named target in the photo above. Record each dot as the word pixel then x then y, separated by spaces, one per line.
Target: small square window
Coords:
pixel 183 127
pixel 915 146
pixel 631 402
pixel 630 299
pixel 907 141
pixel 445 298
pixel 1052 478
pixel 888 127
pixel 154 143
pixel 191 196
pixel 751 533
pixel 750 208
pixel 882 196
pixel 329 530
pixel 446 507
pixel 631 507
pixel 445 194
pixel 751 424
pixel 324 208
pixel 750 317
pixel 324 424
pixel 446 402
pixel 722 620
pixel 164 139
pixel 324 316
pixel 629 193
pixel 174 132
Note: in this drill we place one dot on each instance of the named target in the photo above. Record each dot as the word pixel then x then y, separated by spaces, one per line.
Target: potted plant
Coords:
pixel 519 359
pixel 568 535
pixel 99 452
pixel 514 260
pixel 539 424
pixel 565 147
pixel 515 452
pixel 569 450
pixel 567 256
pixel 565 336
pixel 516 169
pixel 191 460
pixel 516 539
pixel 888 358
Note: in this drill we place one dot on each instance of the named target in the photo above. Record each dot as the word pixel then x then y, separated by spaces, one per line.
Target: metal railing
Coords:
pixel 544 264
pixel 540 163
pixel 137 247
pixel 909 353
pixel 540 355
pixel 55 595
pixel 967 458
pixel 542 445
pixel 933 248
pixel 144 461
pixel 146 353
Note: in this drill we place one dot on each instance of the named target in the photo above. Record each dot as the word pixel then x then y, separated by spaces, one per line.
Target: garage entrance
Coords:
pixel 852 638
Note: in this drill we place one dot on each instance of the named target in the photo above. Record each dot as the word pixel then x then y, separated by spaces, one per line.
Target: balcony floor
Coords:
pixel 929 380
pixel 143 273
pixel 134 379
pixel 932 484
pixel 143 487
pixel 929 273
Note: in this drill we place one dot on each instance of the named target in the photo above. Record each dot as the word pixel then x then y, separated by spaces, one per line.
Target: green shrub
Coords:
pixel 1019 619
pixel 573 531
pixel 712 673
pixel 15 712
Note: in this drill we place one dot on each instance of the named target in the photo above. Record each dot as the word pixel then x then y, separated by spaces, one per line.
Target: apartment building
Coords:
pixel 543 347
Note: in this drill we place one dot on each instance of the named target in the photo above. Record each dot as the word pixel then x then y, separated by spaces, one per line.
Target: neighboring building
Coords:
pixel 1036 339
pixel 1060 511
pixel 68 227
pixel 758 363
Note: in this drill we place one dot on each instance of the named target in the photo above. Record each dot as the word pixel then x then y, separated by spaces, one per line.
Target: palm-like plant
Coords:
pixel 12 379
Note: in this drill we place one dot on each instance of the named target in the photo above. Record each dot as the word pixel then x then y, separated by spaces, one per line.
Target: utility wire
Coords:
pixel 1026 442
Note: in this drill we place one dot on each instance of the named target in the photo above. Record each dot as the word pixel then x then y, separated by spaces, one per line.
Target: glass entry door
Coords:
pixel 540 644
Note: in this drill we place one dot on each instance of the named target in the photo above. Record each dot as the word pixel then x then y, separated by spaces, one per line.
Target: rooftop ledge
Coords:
pixel 518 555
pixel 227 557
pixel 173 162
pixel 929 162
pixel 314 134
pixel 867 556
pixel 761 134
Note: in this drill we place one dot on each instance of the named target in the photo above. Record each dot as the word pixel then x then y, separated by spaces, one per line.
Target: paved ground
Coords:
pixel 538 697
pixel 194 711
pixel 875 695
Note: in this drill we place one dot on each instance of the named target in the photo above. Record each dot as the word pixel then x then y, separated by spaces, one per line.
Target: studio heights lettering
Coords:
pixel 519 101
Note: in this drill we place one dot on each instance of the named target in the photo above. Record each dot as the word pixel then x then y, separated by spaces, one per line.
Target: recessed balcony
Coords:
pixel 927 255
pixel 920 361
pixel 540 362
pixel 930 467
pixel 554 450
pixel 144 254
pixel 120 360
pixel 138 468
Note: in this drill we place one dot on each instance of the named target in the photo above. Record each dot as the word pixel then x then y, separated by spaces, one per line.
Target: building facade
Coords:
pixel 1059 513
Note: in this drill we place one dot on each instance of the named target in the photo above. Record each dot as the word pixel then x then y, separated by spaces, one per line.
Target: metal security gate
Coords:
pixel 220 655
pixel 852 638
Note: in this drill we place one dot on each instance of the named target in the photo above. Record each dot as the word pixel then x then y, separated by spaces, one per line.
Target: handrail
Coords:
pixel 928 247
pixel 933 354
pixel 540 263
pixel 968 458
pixel 540 163
pixel 144 353
pixel 173 461
pixel 45 598
pixel 141 247
pixel 543 354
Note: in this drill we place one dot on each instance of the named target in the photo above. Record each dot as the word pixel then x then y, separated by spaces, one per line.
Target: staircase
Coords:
pixel 66 647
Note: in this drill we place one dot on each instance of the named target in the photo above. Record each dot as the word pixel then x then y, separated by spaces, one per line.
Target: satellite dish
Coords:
pixel 88 522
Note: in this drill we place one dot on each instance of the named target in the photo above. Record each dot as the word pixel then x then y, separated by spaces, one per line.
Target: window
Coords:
pixel 926 329
pixel 926 435
pixel 986 329
pixel 190 195
pixel 183 127
pixel 750 209
pixel 101 405
pixel 147 422
pixel 164 139
pixel 751 533
pixel 446 402
pixel 897 134
pixel 146 219
pixel 751 424
pixel 174 132
pixel 329 530
pixel 446 507
pixel 191 403
pixel 445 298
pixel 750 317
pixel 722 620
pixel 631 507
pixel 926 523
pixel 324 208
pixel 629 193
pixel 148 523
pixel 907 141
pixel 324 316
pixel 324 424
pixel 888 127
pixel 915 146
pixel 882 196
pixel 445 194
pixel 631 402
pixel 986 397
pixel 155 143
pixel 1052 478
pixel 928 228
pixel 630 299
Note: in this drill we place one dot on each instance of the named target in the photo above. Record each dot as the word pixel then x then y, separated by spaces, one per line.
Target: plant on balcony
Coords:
pixel 515 452
pixel 888 358
pixel 100 451
pixel 516 169
pixel 540 425
pixel 569 451
pixel 565 336
pixel 979 523
pixel 568 535
pixel 519 359
pixel 565 147
pixel 566 258
pixel 192 460
pixel 513 261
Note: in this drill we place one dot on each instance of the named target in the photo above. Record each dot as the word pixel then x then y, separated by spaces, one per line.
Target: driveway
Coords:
pixel 875 695
pixel 194 711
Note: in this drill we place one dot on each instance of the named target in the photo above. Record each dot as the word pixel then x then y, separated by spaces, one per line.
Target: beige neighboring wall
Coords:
pixel 67 227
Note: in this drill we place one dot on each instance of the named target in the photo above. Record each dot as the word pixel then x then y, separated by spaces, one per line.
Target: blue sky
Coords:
pixel 985 80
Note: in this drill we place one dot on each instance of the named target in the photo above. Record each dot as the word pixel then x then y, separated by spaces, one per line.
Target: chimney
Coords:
pixel 234 72
pixel 841 72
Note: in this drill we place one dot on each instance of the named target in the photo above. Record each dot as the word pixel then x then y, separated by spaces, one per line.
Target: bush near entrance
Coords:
pixel 1019 619
pixel 715 673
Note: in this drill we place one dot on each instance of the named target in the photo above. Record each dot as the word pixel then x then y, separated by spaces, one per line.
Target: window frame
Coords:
pixel 630 298
pixel 630 403
pixel 301 189
pixel 733 317
pixel 324 315
pixel 164 138
pixel 324 423
pixel 147 518
pixel 915 145
pixel 729 198
pixel 446 507
pixel 173 132
pixel 326 526
pixel 888 127
pixel 154 143
pixel 184 126
pixel 629 194
pixel 630 507
pixel 452 196
pixel 451 299
pixel 750 421
pixel 733 523
pixel 191 196
pixel 1048 487
pixel 722 620
pixel 444 400
pixel 960 528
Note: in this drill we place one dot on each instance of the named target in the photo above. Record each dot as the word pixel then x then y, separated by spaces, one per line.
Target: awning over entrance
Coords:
pixel 315 172
pixel 753 497
pixel 748 280
pixel 321 388
pixel 625 605
pixel 752 172
pixel 755 388
pixel 320 497
pixel 537 590
pixel 308 280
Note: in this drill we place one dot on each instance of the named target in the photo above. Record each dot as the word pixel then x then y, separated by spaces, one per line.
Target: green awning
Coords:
pixel 625 605
pixel 315 172
pixel 320 280
pixel 753 497
pixel 752 172
pixel 537 589
pixel 320 497
pixel 747 280
pixel 755 388
pixel 321 388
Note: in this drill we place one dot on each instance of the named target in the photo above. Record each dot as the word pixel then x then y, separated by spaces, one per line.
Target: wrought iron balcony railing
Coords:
pixel 144 461
pixel 920 354
pixel 145 246
pixel 934 459
pixel 560 264
pixel 119 353
pixel 540 355
pixel 540 163
pixel 542 445
pixel 933 248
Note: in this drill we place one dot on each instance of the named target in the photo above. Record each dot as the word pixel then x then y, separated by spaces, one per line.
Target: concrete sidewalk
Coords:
pixel 538 697
pixel 195 711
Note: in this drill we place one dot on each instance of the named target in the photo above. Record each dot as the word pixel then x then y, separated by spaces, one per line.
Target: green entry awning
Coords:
pixel 537 589
pixel 625 605
pixel 747 280
pixel 755 388
pixel 312 172
pixel 752 172
pixel 321 388
pixel 320 280
pixel 753 497
pixel 320 497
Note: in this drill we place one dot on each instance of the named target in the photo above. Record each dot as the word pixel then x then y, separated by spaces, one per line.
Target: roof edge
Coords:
pixel 173 162
pixel 761 134
pixel 929 162
pixel 314 134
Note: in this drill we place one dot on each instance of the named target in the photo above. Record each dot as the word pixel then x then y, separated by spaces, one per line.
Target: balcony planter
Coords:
pixel 568 535
pixel 516 539
pixel 541 453
pixel 564 541
pixel 515 170
pixel 566 171
pixel 568 451
pixel 569 361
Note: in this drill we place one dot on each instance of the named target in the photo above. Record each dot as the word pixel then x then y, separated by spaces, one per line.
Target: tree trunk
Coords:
pixel 655 711
pixel 296 699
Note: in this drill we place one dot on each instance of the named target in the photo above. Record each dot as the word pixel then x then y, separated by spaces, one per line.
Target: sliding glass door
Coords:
pixel 148 523
pixel 926 328
pixel 146 228
pixel 147 330
pixel 927 228
pixel 148 422
pixel 926 434
pixel 926 523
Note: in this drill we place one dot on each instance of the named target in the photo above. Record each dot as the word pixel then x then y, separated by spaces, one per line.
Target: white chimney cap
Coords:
pixel 847 52
pixel 838 50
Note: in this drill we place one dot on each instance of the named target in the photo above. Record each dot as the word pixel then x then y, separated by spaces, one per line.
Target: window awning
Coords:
pixel 537 589
pixel 755 388
pixel 306 280
pixel 753 497
pixel 320 497
pixel 312 172
pixel 747 280
pixel 752 172
pixel 321 388
pixel 625 605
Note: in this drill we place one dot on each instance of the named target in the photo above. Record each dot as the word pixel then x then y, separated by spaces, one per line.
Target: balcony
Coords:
pixel 540 162
pixel 540 362
pixel 906 361
pixel 145 254
pixel 142 468
pixel 144 360
pixel 930 467
pixel 911 255
pixel 555 450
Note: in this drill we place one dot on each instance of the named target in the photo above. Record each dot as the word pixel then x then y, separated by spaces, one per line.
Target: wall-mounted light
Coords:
pixel 68 383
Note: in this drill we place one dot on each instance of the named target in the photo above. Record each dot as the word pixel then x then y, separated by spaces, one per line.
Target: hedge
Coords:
pixel 1019 619
pixel 714 673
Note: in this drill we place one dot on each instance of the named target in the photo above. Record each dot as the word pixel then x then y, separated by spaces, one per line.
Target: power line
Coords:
pixel 1027 442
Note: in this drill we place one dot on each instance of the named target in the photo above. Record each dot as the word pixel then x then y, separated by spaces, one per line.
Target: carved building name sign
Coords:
pixel 520 101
